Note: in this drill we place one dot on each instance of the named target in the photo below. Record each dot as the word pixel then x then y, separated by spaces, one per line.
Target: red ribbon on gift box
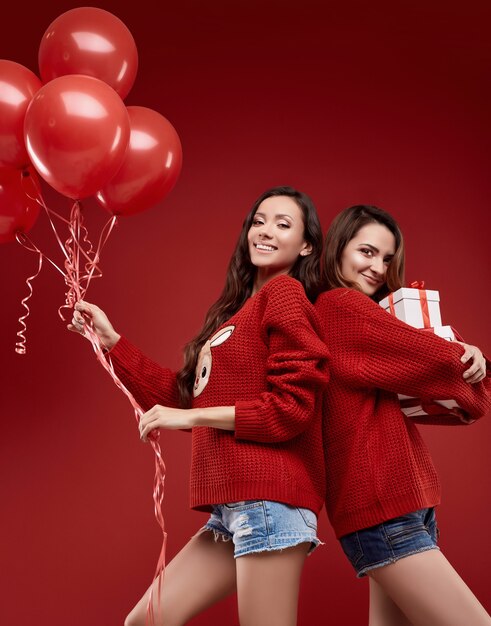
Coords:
pixel 420 286
pixel 430 407
pixel 416 284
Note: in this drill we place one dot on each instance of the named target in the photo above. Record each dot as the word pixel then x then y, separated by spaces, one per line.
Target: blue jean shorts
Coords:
pixel 263 526
pixel 390 541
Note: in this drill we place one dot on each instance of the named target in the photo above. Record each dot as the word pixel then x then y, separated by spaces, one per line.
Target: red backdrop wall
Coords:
pixel 375 102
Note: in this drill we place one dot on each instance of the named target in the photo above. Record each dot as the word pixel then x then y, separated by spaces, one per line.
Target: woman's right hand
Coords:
pixel 477 370
pixel 84 313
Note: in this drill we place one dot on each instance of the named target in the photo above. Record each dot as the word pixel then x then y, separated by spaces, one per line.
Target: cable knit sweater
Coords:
pixel 268 361
pixel 377 465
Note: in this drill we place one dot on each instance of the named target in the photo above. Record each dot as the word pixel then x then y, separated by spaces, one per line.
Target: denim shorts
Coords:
pixel 262 526
pixel 390 541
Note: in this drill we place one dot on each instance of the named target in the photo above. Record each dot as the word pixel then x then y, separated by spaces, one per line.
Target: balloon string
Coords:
pixel 49 212
pixel 76 246
pixel 72 249
pixel 79 245
pixel 23 239
pixel 20 346
pixel 160 470
pixel 91 267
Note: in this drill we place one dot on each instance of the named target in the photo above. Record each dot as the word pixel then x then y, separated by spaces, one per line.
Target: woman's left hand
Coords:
pixel 165 417
pixel 477 371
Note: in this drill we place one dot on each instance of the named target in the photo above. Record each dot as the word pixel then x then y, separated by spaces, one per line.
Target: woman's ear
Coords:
pixel 306 250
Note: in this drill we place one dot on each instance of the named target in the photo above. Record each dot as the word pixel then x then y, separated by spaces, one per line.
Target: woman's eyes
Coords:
pixel 283 225
pixel 368 252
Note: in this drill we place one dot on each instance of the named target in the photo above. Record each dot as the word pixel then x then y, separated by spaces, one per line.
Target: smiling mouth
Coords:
pixel 264 247
pixel 372 281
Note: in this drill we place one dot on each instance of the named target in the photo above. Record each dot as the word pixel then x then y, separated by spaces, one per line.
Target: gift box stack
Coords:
pixel 420 307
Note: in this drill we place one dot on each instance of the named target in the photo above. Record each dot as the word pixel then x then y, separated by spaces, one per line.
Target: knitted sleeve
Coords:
pixel 296 368
pixel 149 383
pixel 399 358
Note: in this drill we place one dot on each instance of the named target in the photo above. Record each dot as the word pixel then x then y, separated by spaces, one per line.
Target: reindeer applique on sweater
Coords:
pixel 203 367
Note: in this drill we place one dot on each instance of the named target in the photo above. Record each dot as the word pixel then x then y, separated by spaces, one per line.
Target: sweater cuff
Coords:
pixel 246 412
pixel 122 350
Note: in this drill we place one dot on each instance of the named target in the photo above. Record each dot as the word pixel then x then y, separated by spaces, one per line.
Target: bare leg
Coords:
pixel 199 576
pixel 268 585
pixel 383 611
pixel 430 592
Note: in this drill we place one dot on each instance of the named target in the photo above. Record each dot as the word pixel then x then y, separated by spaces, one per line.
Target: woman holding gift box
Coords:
pixel 381 484
pixel 250 389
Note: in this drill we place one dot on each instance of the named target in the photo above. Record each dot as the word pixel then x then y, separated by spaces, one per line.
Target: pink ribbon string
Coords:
pixel 77 245
pixel 79 273
pixel 81 265
pixel 20 346
pixel 160 470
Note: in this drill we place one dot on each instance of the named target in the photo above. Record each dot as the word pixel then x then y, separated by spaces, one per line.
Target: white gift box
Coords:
pixel 408 307
pixel 411 406
pixel 445 332
pixel 421 309
pixel 417 409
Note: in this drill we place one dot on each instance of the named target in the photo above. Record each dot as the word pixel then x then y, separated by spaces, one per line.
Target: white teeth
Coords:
pixel 262 246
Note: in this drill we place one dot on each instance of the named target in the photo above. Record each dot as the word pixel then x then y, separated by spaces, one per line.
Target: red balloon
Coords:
pixel 18 207
pixel 17 88
pixel 76 132
pixel 93 42
pixel 150 168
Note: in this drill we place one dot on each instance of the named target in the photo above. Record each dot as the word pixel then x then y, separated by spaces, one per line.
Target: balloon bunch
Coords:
pixel 73 130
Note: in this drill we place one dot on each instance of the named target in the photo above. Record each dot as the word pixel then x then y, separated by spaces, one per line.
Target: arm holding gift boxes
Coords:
pixel 420 308
pixel 391 355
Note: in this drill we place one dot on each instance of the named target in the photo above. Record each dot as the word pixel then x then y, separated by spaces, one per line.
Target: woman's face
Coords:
pixel 276 236
pixel 366 257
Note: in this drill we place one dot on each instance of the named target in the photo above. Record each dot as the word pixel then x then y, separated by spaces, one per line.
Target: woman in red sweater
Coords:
pixel 250 390
pixel 381 483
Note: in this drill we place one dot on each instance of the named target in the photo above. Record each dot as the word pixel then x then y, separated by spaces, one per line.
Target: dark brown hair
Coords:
pixel 344 227
pixel 240 276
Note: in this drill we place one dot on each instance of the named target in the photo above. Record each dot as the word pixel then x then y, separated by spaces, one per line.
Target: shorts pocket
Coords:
pixel 352 548
pixel 309 517
pixel 431 525
pixel 396 536
pixel 243 506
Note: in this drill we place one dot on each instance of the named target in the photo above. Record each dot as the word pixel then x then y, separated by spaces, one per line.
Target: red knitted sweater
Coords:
pixel 377 465
pixel 270 363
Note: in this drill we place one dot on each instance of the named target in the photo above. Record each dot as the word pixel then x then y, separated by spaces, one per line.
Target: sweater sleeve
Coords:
pixel 296 368
pixel 149 383
pixel 399 358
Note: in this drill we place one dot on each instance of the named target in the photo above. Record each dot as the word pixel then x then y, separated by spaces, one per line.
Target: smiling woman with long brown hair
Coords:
pixel 250 390
pixel 382 487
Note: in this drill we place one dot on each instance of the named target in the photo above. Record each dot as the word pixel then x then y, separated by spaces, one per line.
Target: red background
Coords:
pixel 378 102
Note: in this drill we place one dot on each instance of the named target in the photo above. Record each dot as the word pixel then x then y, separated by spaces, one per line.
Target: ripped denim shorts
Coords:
pixel 262 526
pixel 390 541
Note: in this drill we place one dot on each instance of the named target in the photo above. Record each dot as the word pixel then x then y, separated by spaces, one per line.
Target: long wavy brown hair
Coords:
pixel 344 227
pixel 240 276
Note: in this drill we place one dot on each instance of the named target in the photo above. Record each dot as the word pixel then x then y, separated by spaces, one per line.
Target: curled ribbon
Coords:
pixel 80 266
pixel 20 346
